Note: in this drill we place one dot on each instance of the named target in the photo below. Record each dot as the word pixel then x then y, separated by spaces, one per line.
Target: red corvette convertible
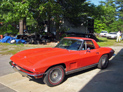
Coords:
pixel 72 54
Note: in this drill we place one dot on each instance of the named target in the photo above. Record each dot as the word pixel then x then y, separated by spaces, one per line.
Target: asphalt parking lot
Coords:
pixel 92 80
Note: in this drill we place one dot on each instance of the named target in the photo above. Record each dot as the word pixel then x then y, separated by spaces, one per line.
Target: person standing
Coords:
pixel 118 36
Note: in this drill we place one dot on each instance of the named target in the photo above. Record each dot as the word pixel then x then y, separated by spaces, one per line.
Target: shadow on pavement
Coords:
pixel 40 81
pixel 80 72
pixel 110 79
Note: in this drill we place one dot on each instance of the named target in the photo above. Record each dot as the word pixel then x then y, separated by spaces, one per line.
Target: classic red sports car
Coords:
pixel 72 54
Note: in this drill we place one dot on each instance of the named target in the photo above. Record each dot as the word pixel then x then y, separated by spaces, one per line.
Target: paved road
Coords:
pixel 5 69
pixel 93 80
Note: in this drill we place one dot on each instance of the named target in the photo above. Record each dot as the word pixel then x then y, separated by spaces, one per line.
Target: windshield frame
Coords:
pixel 57 46
pixel 113 33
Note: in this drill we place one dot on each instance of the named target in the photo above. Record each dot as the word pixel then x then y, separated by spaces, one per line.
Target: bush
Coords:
pixel 8 29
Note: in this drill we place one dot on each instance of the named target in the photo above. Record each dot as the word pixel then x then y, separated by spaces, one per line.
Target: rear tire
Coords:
pixel 54 76
pixel 103 62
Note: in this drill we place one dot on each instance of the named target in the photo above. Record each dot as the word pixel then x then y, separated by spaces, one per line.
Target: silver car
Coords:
pixel 103 33
pixel 112 35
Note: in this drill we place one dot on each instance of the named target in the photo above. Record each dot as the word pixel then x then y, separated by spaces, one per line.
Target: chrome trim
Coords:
pixel 23 73
pixel 80 69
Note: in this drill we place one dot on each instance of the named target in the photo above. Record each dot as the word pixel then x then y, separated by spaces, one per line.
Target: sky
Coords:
pixel 96 2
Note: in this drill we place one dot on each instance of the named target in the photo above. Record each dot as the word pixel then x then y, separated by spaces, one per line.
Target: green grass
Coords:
pixel 11 49
pixel 106 42
pixel 4 49
pixel 4 44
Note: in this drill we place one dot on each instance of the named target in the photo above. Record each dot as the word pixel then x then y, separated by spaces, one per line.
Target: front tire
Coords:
pixel 54 76
pixel 103 62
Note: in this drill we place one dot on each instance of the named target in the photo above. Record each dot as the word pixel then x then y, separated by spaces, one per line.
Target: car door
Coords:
pixel 89 55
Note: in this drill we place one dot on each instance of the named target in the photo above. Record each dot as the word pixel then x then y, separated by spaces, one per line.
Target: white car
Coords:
pixel 103 33
pixel 112 35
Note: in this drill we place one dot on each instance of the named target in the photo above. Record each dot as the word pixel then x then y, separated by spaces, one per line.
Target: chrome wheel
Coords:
pixel 54 76
pixel 104 59
pixel 103 62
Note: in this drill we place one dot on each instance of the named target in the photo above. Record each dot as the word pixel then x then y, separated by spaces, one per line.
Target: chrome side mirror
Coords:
pixel 88 50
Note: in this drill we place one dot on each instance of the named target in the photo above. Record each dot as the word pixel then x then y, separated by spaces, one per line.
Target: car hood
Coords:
pixel 33 56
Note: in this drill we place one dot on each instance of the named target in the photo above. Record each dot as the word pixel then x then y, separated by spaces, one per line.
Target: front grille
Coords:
pixel 24 69
pixel 19 68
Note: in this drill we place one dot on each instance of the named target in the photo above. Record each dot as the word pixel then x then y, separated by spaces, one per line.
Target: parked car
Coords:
pixel 103 33
pixel 72 54
pixel 112 35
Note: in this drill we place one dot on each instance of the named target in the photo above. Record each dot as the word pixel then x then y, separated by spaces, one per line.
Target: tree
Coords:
pixel 13 11
pixel 105 15
pixel 117 25
pixel 120 8
pixel 40 11
pixel 74 10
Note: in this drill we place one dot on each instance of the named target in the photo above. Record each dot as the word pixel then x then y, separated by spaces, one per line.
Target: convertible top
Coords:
pixel 81 38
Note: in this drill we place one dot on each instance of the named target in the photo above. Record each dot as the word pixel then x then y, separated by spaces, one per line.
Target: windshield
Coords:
pixel 112 33
pixel 69 44
pixel 104 32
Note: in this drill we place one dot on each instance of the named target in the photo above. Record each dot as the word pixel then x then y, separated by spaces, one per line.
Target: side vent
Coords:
pixel 73 65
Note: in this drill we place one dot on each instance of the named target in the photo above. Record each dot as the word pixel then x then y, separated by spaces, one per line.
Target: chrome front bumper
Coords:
pixel 29 75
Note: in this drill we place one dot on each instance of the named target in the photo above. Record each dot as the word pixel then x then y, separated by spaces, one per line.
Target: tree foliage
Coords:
pixel 107 16
pixel 39 11
pixel 120 8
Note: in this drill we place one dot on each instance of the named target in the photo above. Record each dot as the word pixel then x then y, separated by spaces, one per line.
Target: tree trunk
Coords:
pixel 57 25
pixel 49 23
pixel 24 23
pixel 21 27
pixel 57 31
